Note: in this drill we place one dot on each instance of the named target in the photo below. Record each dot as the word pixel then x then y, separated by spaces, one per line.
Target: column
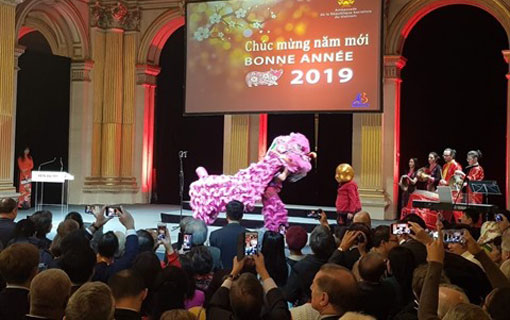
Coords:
pixel 115 28
pixel 81 127
pixel 7 95
pixel 506 55
pixel 375 154
pixel 144 137
pixel 128 113
pixel 391 131
pixel 236 148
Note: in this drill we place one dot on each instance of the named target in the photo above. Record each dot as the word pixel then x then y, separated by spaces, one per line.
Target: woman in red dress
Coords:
pixel 25 165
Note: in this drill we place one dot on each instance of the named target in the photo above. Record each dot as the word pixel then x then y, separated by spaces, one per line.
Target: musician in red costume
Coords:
pixel 25 165
pixel 450 166
pixel 347 199
pixel 475 173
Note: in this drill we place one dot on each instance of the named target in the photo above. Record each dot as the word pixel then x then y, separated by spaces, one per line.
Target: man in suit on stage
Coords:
pixel 226 238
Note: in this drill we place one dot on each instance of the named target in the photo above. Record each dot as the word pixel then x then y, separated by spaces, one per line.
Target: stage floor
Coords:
pixel 149 215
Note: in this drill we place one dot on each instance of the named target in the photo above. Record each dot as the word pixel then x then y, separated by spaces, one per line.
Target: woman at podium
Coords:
pixel 25 165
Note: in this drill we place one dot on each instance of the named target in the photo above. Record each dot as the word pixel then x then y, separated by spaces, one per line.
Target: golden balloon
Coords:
pixel 344 173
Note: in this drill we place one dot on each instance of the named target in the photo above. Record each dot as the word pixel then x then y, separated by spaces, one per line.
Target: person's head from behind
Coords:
pixel 24 229
pixel 178 314
pixel 467 311
pixel 8 208
pixel 334 290
pixel 496 303
pixel 76 216
pixel 419 274
pixel 449 296
pixel 296 238
pixel 49 293
pixel 19 263
pixel 172 286
pixel 201 261
pixel 92 301
pixel 64 228
pixel 384 240
pixel 322 242
pixel 108 245
pixel 148 267
pixel 79 264
pixel 43 223
pixel 145 241
pixel 246 297
pixel 416 219
pixel 235 210
pixel 198 230
pixel 402 265
pixel 273 249
pixel 470 217
pixel 363 217
pixel 372 267
pixel 128 289
pixel 75 240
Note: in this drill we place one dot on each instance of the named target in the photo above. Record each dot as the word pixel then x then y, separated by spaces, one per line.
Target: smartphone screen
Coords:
pixel 162 230
pixel 499 218
pixel 251 241
pixel 186 241
pixel 111 212
pixel 453 236
pixel 400 228
pixel 89 209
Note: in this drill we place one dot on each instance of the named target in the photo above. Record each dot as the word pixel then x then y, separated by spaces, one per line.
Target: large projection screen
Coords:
pixel 283 56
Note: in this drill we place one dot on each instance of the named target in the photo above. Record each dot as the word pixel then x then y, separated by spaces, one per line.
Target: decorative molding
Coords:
pixel 506 55
pixel 11 2
pixel 393 65
pixel 80 70
pixel 146 74
pixel 115 16
pixel 182 7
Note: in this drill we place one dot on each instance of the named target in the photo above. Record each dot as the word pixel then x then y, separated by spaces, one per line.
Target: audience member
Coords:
pixel 76 216
pixel 273 249
pixel 401 268
pixel 466 311
pixel 201 263
pixel 244 297
pixel 297 289
pixel 383 241
pixel 64 228
pixel 178 314
pixel 145 241
pixel 225 238
pixel 296 238
pixel 148 266
pixel 8 212
pixel 108 245
pixel 449 296
pixel 377 296
pixel 23 232
pixel 364 218
pixel 497 303
pixel 170 292
pixel 129 292
pixel 79 265
pixel 49 293
pixel 198 230
pixel 18 266
pixel 471 218
pixel 92 301
pixel 43 224
pixel 334 292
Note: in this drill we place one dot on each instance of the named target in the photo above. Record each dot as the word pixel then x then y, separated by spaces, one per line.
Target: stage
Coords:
pixel 149 215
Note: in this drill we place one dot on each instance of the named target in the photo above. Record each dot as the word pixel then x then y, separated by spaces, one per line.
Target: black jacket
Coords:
pixel 225 239
pixel 297 289
pixel 14 303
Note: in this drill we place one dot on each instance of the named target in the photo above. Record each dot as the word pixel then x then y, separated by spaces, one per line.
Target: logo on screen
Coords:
pixel 361 101
pixel 268 78
pixel 345 3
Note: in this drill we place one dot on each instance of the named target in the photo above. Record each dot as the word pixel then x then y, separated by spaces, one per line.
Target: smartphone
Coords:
pixel 112 211
pixel 400 228
pixel 89 209
pixel 453 236
pixel 499 217
pixel 251 242
pixel 162 230
pixel 186 241
pixel 434 234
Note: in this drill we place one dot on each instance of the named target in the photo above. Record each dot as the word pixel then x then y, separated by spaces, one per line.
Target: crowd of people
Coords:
pixel 352 272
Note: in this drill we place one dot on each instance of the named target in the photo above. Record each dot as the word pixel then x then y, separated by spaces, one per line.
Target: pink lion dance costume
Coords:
pixel 210 193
